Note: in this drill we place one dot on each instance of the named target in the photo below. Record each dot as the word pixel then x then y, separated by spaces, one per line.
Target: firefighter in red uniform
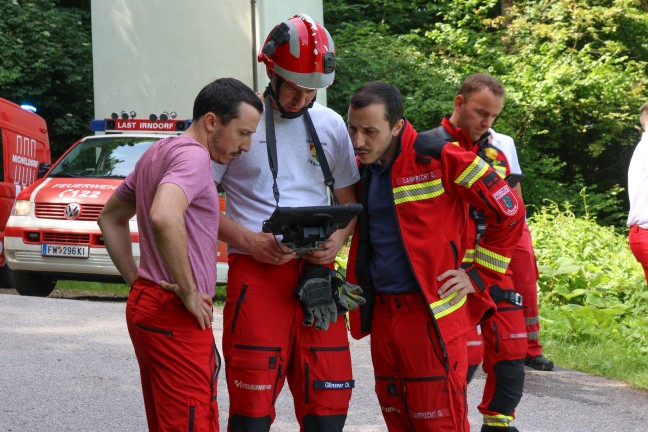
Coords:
pixel 280 318
pixel 477 104
pixel 406 254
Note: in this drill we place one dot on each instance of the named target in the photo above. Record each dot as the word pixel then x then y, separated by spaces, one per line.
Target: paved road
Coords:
pixel 67 365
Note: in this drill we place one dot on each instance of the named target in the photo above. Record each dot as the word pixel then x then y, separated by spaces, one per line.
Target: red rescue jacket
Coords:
pixel 433 183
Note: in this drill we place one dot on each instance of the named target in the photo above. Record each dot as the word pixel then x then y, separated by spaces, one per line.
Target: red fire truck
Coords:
pixel 53 234
pixel 25 157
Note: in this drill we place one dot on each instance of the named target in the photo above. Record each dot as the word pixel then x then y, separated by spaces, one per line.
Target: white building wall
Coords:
pixel 152 56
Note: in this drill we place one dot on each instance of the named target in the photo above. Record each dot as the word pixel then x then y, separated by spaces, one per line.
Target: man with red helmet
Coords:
pixel 268 331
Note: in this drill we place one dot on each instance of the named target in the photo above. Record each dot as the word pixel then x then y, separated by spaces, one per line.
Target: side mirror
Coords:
pixel 43 167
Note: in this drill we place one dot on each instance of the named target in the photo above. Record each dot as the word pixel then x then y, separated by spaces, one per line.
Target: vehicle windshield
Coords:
pixel 108 157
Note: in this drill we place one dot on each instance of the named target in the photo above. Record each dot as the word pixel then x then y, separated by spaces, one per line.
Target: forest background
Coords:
pixel 576 73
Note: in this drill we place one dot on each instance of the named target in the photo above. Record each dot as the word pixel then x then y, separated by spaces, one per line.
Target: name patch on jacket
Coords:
pixel 506 200
pixel 418 178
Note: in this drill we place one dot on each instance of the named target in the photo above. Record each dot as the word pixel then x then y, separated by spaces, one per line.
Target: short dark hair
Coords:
pixel 377 92
pixel 478 82
pixel 643 116
pixel 224 97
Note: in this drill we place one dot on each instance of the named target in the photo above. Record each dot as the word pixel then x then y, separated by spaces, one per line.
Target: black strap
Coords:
pixel 498 294
pixel 329 181
pixel 439 132
pixel 271 143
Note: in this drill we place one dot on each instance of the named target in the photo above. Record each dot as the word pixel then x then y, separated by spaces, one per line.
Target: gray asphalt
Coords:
pixel 68 365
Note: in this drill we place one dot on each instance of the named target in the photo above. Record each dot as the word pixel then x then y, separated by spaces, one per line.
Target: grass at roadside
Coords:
pixel 93 286
pixel 119 289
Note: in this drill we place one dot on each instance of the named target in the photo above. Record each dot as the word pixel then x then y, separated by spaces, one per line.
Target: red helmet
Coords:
pixel 301 51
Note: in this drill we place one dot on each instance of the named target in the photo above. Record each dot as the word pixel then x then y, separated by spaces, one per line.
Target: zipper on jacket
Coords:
pixel 192 414
pixel 496 333
pixel 455 253
pixel 274 390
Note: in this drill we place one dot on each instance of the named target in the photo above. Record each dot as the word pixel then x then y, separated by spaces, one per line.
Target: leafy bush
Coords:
pixel 590 283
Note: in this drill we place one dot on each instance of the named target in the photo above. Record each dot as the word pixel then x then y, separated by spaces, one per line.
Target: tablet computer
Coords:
pixel 304 228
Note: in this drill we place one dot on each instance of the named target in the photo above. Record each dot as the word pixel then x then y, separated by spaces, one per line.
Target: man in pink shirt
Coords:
pixel 172 192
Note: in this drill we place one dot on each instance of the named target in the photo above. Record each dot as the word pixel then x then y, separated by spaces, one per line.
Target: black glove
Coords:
pixel 346 295
pixel 314 291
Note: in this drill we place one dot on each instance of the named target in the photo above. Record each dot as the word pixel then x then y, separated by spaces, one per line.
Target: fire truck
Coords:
pixel 52 233
pixel 25 156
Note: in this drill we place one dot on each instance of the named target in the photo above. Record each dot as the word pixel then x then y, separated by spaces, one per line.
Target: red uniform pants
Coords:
pixel 265 342
pixel 420 381
pixel 524 271
pixel 178 361
pixel 505 343
pixel 638 239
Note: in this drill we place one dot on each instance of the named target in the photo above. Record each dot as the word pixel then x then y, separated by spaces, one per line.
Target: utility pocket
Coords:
pixel 328 379
pixel 509 333
pixel 167 333
pixel 254 374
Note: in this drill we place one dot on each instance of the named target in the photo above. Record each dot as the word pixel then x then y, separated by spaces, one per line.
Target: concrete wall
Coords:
pixel 152 56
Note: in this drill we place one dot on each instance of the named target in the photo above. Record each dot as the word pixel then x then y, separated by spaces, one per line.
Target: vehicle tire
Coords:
pixel 32 283
pixel 5 277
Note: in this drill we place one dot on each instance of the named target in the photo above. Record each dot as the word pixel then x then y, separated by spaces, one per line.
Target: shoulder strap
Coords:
pixel 439 132
pixel 271 144
pixel 329 181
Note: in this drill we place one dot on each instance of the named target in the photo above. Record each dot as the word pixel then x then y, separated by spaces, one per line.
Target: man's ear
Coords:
pixel 397 127
pixel 458 101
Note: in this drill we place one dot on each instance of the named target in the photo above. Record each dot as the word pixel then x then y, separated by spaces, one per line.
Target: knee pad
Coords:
pixel 239 423
pixel 316 422
pixel 509 379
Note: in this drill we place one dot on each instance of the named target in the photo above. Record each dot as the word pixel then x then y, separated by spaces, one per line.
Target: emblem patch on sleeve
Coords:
pixel 506 200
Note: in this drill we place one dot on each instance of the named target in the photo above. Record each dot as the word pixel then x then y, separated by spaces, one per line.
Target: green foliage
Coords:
pixel 575 73
pixel 47 62
pixel 590 283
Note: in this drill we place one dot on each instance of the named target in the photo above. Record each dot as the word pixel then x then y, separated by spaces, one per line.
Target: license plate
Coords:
pixel 69 251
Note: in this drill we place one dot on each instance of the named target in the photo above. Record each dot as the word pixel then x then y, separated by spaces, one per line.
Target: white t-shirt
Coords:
pixel 638 184
pixel 507 146
pixel 247 181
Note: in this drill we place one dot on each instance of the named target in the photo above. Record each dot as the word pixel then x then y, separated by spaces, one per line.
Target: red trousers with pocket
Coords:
pixel 265 343
pixel 524 271
pixel 417 389
pixel 178 361
pixel 638 240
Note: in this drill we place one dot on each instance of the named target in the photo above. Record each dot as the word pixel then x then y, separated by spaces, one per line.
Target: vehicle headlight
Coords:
pixel 21 208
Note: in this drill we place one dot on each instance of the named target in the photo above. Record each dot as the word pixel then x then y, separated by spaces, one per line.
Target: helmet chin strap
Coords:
pixel 274 94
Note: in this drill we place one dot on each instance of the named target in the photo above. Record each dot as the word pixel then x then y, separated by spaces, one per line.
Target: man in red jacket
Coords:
pixel 476 105
pixel 406 255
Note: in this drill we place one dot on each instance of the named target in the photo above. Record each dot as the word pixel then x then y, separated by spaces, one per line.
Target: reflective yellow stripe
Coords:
pixel 443 307
pixel 501 170
pixel 418 191
pixel 498 420
pixel 491 260
pixel 469 257
pixel 474 172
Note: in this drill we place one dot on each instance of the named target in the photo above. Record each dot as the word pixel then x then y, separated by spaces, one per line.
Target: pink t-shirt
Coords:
pixel 185 163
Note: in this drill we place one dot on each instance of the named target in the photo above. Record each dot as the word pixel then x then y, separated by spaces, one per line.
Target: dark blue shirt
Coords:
pixel 389 266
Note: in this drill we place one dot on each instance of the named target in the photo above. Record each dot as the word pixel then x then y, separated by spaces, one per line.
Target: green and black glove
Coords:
pixel 314 292
pixel 346 295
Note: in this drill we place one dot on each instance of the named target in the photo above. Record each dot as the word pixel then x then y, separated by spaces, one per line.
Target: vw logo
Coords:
pixel 72 211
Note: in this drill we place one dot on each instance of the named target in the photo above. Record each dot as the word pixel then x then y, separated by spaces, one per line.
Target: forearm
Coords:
pixel 234 234
pixel 114 225
pixel 170 236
